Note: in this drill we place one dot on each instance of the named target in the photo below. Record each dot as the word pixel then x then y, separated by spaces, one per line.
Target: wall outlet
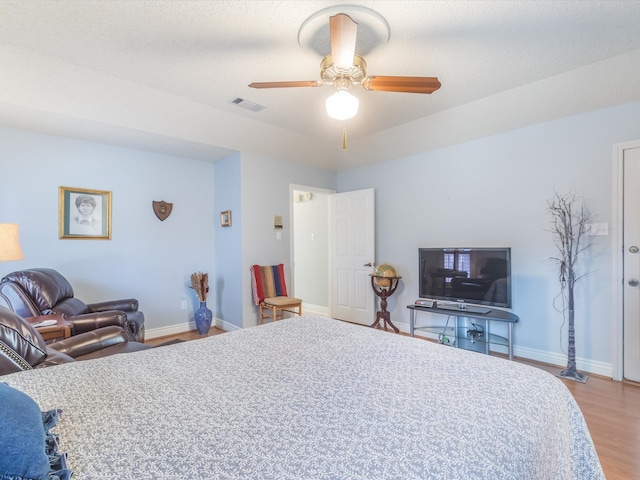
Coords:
pixel 183 304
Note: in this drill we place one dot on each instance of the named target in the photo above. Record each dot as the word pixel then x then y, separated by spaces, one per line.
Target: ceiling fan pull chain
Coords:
pixel 344 138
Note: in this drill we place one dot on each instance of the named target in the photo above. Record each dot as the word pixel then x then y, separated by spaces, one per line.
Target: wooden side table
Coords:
pixel 61 329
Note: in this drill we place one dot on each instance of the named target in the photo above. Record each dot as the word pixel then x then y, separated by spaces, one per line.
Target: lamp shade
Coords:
pixel 342 105
pixel 9 244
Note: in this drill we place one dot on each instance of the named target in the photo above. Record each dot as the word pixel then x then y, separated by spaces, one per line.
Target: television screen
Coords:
pixel 472 275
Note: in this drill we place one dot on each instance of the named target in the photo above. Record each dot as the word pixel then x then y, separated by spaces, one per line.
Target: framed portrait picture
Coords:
pixel 225 218
pixel 84 214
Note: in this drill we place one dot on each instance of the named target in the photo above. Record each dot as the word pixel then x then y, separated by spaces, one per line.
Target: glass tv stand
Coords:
pixel 471 328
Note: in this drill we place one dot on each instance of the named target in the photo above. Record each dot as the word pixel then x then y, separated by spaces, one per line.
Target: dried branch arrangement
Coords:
pixel 569 227
pixel 200 283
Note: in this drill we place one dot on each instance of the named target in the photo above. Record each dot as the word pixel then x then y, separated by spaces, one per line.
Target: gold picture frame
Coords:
pixel 84 214
pixel 225 218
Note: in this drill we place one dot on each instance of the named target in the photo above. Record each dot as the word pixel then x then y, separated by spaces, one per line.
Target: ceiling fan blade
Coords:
pixel 382 83
pixel 302 83
pixel 343 33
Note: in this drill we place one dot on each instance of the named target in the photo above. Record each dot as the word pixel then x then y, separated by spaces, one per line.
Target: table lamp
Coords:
pixel 9 243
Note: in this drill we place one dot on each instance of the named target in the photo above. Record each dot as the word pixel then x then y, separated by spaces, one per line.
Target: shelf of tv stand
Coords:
pixel 465 341
pixel 484 314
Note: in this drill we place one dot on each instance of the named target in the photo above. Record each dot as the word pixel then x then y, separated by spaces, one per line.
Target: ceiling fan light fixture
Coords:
pixel 342 105
pixel 342 68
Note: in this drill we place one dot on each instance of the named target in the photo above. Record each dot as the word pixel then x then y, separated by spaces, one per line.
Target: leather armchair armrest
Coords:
pixel 91 321
pixel 90 342
pixel 55 357
pixel 126 305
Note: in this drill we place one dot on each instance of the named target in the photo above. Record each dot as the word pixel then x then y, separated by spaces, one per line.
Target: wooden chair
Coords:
pixel 270 293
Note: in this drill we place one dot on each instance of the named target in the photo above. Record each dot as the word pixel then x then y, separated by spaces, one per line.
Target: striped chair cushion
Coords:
pixel 267 282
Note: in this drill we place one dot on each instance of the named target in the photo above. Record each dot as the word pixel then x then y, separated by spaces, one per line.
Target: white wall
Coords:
pixel 146 258
pixel 53 96
pixel 311 250
pixel 494 192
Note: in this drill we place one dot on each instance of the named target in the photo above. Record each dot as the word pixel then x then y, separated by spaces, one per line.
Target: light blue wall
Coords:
pixel 494 192
pixel 265 193
pixel 146 258
pixel 228 276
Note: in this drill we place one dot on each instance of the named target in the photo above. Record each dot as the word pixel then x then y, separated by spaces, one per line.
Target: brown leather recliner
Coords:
pixel 44 291
pixel 23 348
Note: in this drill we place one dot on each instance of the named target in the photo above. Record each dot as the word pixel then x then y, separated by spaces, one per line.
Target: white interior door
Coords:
pixel 352 256
pixel 631 264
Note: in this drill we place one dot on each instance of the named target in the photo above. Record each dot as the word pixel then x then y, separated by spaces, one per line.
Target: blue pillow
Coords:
pixel 28 451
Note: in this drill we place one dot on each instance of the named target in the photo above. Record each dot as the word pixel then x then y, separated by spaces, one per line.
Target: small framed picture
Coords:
pixel 84 214
pixel 225 218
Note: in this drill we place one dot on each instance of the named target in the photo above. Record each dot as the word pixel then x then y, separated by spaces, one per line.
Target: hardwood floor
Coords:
pixel 611 410
pixel 192 335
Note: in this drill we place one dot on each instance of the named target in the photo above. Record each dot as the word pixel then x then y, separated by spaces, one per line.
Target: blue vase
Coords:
pixel 203 317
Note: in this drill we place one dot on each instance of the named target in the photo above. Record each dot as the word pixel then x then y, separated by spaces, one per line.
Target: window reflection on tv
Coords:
pixel 472 275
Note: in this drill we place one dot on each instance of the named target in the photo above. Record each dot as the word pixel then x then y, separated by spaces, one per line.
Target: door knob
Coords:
pixel 634 249
pixel 634 282
pixel 368 264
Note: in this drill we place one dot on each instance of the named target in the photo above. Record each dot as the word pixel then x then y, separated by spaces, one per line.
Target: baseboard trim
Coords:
pixel 310 309
pixel 183 327
pixel 226 326
pixel 169 330
pixel 551 358
pixel 582 364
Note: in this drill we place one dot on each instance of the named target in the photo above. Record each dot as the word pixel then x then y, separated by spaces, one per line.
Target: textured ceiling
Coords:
pixel 209 51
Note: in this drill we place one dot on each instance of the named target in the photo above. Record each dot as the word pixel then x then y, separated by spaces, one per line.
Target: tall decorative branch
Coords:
pixel 569 228
pixel 200 283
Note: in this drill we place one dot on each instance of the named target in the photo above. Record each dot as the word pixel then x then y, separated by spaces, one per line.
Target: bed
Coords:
pixel 312 398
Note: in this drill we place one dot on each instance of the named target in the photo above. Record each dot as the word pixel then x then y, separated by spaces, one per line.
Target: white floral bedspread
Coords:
pixel 313 398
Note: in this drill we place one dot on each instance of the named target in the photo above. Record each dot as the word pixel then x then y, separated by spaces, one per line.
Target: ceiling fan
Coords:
pixel 343 68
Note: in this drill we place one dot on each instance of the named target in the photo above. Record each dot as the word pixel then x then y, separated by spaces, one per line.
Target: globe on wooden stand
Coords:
pixel 384 281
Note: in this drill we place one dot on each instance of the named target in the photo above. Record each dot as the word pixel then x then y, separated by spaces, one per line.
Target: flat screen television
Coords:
pixel 480 276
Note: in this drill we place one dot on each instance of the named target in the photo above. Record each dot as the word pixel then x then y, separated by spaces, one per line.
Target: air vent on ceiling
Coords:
pixel 247 104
